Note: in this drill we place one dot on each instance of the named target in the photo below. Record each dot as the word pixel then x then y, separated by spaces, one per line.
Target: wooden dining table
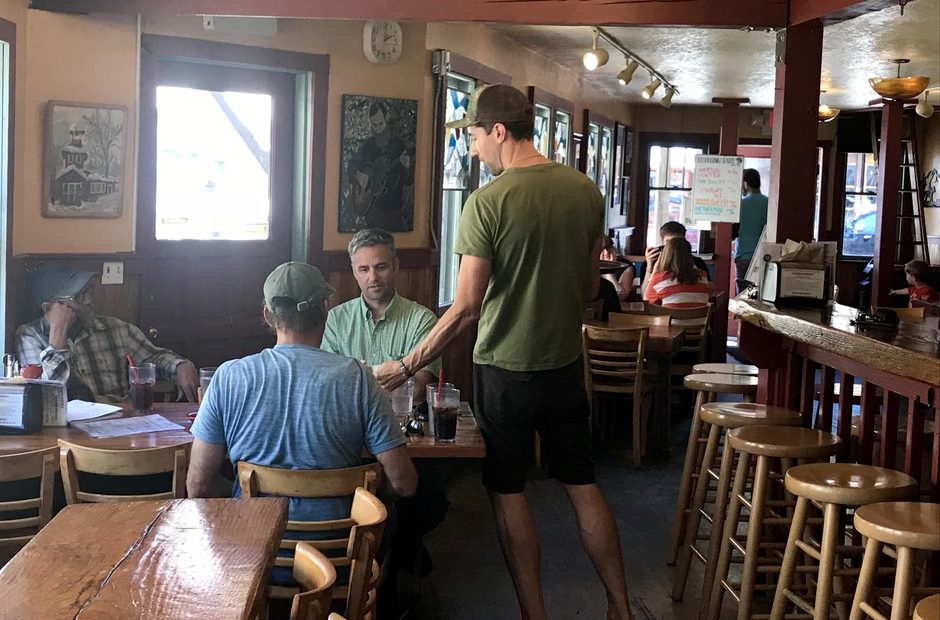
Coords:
pixel 662 344
pixel 184 558
pixel 468 444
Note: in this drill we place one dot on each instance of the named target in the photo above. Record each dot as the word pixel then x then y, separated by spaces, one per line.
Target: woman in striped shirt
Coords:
pixel 675 281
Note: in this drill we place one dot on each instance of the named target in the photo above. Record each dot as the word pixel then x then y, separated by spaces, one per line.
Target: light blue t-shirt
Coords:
pixel 753 220
pixel 298 407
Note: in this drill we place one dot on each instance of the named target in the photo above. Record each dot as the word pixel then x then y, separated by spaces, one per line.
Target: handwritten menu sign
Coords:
pixel 716 189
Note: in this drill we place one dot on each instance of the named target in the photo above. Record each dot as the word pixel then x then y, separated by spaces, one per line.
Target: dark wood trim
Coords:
pixel 711 13
pixel 181 48
pixel 826 203
pixel 834 11
pixel 538 95
pixel 335 261
pixel 473 69
pixel 14 281
pixel 838 201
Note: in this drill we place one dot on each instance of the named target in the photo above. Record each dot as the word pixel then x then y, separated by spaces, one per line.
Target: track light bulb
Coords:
pixel 666 100
pixel 596 56
pixel 651 88
pixel 626 74
pixel 924 108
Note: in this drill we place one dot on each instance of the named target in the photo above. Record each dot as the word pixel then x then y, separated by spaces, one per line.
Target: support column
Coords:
pixel 792 194
pixel 728 145
pixel 886 219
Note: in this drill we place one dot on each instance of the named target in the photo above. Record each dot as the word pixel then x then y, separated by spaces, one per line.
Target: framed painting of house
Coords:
pixel 83 170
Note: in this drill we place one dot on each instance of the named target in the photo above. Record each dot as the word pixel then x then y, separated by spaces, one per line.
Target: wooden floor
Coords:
pixel 469 580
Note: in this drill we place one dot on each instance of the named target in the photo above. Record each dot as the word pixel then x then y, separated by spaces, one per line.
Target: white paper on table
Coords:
pixel 104 429
pixel 78 410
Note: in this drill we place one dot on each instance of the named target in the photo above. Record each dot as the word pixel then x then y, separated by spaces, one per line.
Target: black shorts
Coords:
pixel 510 406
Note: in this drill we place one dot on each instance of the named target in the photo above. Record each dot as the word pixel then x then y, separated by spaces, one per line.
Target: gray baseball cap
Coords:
pixel 47 283
pixel 298 283
pixel 497 103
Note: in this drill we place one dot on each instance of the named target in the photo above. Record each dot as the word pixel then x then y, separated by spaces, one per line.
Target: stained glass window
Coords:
pixel 604 164
pixel 560 139
pixel 456 147
pixel 542 130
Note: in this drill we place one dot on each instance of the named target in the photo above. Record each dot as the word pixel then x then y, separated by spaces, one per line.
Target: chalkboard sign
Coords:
pixel 716 189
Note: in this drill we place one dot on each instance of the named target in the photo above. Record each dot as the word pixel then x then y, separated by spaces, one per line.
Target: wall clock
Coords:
pixel 381 42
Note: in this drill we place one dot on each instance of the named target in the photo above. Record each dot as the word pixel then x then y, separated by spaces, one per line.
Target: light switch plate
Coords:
pixel 112 273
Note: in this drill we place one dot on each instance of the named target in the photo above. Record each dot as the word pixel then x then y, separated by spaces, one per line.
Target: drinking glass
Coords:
pixel 443 406
pixel 141 378
pixel 429 391
pixel 403 397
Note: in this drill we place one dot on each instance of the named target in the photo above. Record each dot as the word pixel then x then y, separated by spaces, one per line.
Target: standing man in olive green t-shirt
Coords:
pixel 530 242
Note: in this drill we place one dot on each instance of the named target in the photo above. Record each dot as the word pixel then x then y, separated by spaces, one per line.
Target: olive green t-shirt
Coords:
pixel 538 225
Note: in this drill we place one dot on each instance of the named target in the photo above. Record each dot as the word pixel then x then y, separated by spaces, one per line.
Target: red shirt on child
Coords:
pixel 923 293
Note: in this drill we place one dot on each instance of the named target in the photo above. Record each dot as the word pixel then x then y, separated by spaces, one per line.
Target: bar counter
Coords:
pixel 807 358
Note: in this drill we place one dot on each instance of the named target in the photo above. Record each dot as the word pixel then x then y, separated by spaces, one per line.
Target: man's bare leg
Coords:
pixel 602 544
pixel 520 545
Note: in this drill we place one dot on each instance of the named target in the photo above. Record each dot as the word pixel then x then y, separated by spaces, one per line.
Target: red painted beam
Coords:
pixel 834 11
pixel 714 13
pixel 886 219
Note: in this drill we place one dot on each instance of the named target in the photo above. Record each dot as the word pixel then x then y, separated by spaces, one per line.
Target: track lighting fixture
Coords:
pixel 651 88
pixel 596 56
pixel 626 74
pixel 925 108
pixel 666 100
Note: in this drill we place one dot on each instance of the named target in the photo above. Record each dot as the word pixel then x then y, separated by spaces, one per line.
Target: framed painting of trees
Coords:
pixel 83 171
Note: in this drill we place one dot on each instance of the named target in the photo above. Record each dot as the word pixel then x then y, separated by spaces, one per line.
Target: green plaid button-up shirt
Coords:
pixel 97 356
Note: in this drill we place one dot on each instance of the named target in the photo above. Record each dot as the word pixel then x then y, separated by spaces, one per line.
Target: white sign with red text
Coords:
pixel 716 189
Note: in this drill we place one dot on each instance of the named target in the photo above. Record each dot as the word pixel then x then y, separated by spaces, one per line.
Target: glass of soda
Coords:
pixel 443 407
pixel 141 378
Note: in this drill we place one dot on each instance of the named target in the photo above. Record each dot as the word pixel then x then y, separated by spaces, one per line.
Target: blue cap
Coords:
pixel 47 283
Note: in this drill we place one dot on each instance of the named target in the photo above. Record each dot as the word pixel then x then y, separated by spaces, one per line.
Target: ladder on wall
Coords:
pixel 911 240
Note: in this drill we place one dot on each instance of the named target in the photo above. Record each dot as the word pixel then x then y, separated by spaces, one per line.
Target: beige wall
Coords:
pixel 80 59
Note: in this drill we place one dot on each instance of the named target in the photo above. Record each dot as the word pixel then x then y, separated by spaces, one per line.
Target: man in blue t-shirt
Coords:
pixel 751 226
pixel 295 406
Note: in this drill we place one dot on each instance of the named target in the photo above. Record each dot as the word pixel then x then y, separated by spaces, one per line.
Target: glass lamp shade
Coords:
pixel 827 114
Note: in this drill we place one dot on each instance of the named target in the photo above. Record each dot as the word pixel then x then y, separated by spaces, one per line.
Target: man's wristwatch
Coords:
pixel 403 368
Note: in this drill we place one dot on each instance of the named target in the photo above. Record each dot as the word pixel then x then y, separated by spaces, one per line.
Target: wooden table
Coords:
pixel 189 558
pixel 469 443
pixel 661 346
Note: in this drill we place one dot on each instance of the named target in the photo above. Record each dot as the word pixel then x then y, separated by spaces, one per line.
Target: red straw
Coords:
pixel 440 386
pixel 133 368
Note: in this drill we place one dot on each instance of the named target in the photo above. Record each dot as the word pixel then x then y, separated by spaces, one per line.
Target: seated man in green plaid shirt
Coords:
pixel 86 351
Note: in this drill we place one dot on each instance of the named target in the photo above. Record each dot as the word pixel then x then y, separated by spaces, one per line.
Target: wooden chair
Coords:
pixel 313 571
pixel 695 322
pixel 146 462
pixel 17 530
pixel 613 364
pixel 905 314
pixel 618 319
pixel 365 523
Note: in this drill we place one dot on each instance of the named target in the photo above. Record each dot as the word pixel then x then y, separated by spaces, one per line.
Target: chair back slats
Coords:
pixel 363 579
pixel 695 323
pixel 613 358
pixel 137 462
pixel 317 575
pixel 367 519
pixel 16 529
pixel 618 319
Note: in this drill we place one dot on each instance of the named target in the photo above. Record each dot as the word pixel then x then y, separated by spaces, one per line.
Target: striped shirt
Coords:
pixel 665 289
pixel 97 356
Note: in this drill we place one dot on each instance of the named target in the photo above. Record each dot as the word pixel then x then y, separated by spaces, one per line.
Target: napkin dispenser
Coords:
pixel 795 283
pixel 20 408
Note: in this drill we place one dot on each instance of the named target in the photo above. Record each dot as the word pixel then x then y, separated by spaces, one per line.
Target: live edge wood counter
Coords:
pixel 190 558
pixel 808 358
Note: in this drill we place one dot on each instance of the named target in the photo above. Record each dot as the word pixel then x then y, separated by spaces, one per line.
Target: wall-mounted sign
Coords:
pixel 716 189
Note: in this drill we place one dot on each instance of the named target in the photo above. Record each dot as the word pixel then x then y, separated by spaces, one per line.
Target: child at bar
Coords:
pixel 918 289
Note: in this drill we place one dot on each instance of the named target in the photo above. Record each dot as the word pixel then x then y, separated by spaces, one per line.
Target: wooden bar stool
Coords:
pixel 928 609
pixel 707 386
pixel 832 487
pixel 717 418
pixel 906 526
pixel 727 369
pixel 770 444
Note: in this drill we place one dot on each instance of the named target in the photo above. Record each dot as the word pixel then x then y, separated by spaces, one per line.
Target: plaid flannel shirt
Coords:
pixel 97 356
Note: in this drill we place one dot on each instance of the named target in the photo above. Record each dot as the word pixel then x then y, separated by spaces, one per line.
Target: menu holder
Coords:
pixel 20 408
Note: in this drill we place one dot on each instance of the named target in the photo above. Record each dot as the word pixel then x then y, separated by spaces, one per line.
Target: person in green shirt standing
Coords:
pixel 751 226
pixel 530 243
pixel 379 325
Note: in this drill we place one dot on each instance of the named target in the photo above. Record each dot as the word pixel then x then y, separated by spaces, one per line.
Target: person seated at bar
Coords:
pixel 918 289
pixel 669 230
pixel 675 281
pixel 623 283
pixel 88 351
pixel 379 325
pixel 296 406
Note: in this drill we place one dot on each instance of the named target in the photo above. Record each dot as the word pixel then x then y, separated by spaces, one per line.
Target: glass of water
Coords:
pixel 403 398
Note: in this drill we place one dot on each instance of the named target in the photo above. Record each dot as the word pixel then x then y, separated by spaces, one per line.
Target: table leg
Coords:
pixel 662 394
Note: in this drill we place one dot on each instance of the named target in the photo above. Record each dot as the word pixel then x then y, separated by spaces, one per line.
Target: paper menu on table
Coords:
pixel 83 410
pixel 103 429
pixel 53 402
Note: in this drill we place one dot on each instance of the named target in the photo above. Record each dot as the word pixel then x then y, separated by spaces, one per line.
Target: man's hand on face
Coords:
pixel 652 255
pixel 187 379
pixel 60 316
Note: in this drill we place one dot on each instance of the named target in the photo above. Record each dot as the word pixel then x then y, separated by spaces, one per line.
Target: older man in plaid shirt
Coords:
pixel 89 352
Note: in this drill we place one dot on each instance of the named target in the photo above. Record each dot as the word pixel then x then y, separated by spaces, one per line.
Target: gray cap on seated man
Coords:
pixel 85 350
